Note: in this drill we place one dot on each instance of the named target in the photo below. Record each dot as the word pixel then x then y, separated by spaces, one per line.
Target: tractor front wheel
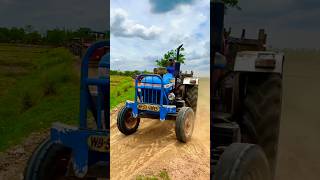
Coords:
pixel 185 124
pixel 126 123
pixel 49 161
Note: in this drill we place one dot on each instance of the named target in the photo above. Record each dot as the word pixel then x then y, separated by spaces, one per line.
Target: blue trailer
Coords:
pixel 79 152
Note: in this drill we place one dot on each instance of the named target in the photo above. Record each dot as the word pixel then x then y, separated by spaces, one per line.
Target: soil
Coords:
pixel 154 146
pixel 300 123
pixel 14 160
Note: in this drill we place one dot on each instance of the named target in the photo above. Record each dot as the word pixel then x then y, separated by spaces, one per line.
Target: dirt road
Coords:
pixel 154 147
pixel 299 149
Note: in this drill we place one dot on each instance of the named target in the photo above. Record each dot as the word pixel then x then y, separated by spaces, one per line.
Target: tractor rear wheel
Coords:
pixel 126 123
pixel 241 161
pixel 262 112
pixel 192 97
pixel 185 124
pixel 49 161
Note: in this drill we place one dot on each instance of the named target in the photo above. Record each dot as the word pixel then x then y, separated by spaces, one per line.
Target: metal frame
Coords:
pixel 143 90
pixel 78 139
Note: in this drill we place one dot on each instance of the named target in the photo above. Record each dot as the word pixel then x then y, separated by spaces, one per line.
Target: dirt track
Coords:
pixel 299 149
pixel 154 147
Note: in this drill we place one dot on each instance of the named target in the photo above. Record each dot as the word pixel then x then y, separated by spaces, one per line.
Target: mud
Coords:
pixel 154 147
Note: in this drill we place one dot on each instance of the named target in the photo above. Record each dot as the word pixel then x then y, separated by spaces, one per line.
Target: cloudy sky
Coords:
pixel 44 14
pixel 289 23
pixel 142 31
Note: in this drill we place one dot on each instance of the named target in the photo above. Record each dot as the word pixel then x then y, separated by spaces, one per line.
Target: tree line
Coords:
pixel 29 35
pixel 128 73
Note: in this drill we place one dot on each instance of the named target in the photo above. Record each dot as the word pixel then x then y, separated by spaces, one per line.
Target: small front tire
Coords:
pixel 126 123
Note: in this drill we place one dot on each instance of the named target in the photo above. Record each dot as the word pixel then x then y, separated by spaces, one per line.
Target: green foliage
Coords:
pixel 164 61
pixel 57 36
pixel 128 73
pixel 47 92
pixel 121 89
pixel 231 3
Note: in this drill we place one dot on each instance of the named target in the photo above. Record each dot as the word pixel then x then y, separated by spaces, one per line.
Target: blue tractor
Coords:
pixel 246 87
pixel 79 152
pixel 166 94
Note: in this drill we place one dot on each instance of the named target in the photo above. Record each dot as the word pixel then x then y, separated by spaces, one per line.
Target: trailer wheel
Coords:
pixel 192 97
pixel 49 161
pixel 126 123
pixel 241 161
pixel 185 124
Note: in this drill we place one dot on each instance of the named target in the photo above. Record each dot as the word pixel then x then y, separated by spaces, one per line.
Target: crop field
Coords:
pixel 37 88
pixel 122 89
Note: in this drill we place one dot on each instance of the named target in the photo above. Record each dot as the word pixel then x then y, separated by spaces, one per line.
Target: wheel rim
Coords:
pixel 130 121
pixel 188 124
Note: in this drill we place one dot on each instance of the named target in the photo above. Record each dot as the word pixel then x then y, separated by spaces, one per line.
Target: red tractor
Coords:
pixel 78 46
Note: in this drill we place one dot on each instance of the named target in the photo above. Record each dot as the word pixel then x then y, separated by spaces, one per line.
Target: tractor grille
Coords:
pixel 150 95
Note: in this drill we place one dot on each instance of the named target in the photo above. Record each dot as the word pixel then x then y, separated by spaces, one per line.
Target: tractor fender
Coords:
pixel 247 61
pixel 191 81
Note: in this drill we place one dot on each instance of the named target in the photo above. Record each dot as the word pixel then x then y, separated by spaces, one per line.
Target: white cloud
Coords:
pixel 122 26
pixel 187 24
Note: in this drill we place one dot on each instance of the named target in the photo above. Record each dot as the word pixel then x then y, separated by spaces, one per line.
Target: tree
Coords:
pixel 163 62
pixel 232 3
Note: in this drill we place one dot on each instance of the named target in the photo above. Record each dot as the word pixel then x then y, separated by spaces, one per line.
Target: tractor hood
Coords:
pixel 156 80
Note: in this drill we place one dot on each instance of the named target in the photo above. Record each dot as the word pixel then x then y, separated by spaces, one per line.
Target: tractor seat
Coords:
pixel 160 71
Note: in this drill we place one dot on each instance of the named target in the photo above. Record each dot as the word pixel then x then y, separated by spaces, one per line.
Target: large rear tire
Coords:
pixel 126 123
pixel 184 124
pixel 242 161
pixel 192 97
pixel 262 111
pixel 49 161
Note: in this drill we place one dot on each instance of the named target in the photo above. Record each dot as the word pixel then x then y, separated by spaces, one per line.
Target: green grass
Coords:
pixel 162 175
pixel 122 89
pixel 46 91
pixel 39 86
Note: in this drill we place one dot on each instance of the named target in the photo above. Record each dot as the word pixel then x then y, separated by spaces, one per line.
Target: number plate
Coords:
pixel 99 143
pixel 149 107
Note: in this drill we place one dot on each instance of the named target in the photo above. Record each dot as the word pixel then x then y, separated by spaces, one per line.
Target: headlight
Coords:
pixel 171 96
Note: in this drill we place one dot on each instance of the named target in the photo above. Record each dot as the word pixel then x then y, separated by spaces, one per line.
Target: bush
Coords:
pixel 26 101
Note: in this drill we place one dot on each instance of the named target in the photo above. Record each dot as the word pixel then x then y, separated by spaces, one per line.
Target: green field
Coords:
pixel 39 86
pixel 122 89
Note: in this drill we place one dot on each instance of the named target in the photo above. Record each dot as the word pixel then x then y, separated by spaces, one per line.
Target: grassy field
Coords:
pixel 122 89
pixel 38 87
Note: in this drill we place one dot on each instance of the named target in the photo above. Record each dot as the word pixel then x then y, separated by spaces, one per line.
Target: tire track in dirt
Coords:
pixel 154 147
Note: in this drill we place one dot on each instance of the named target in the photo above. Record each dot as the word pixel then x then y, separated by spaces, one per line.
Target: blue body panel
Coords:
pixel 153 89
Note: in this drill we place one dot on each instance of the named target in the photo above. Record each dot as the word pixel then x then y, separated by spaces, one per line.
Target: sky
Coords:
pixel 143 31
pixel 288 23
pixel 44 14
